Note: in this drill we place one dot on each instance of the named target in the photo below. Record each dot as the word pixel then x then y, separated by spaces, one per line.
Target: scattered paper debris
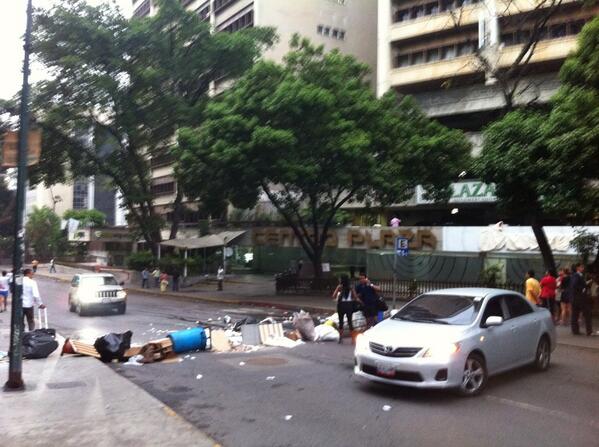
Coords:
pixel 180 360
pixel 288 417
pixel 193 357
pixel 199 376
pixel 187 356
pixel 241 363
pixel 386 407
pixel 271 378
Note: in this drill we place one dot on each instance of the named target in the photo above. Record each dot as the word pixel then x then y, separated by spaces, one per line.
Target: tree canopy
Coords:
pixel 44 235
pixel 86 218
pixel 310 134
pixel 120 89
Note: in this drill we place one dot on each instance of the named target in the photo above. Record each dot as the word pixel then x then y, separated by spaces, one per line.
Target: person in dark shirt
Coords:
pixel 368 294
pixel 581 301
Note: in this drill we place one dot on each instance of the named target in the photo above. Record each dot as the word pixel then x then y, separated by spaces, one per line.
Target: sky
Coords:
pixel 12 28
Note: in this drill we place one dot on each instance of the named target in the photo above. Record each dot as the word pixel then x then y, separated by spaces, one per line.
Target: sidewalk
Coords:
pixel 72 401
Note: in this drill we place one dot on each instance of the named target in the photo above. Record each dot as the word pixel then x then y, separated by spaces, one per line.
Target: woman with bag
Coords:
pixel 346 299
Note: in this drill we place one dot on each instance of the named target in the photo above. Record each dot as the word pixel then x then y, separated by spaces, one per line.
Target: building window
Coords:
pixel 245 21
pixel 448 52
pixel 204 11
pixel 417 58
pixel 143 10
pixel 403 60
pixel 80 194
pixel 465 48
pixel 219 5
pixel 576 27
pixel 320 29
pixel 163 186
pixel 432 55
pixel 557 31
pixel 402 15
pixel 327 31
pixel 341 35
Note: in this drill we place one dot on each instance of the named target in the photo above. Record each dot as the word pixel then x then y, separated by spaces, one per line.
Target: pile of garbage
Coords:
pixel 245 335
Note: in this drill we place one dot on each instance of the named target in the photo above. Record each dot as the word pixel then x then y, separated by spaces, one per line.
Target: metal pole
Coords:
pixel 394 279
pixel 15 373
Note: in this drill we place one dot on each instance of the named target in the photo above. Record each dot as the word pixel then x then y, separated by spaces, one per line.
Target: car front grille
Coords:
pixel 404 376
pixel 107 294
pixel 389 351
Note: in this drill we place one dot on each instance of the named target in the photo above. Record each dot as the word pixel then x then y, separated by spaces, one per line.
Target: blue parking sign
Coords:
pixel 402 246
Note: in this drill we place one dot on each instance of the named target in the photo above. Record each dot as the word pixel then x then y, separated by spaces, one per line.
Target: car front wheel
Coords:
pixel 474 378
pixel 543 355
pixel 81 310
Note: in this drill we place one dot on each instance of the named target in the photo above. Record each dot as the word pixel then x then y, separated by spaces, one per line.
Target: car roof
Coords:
pixel 472 291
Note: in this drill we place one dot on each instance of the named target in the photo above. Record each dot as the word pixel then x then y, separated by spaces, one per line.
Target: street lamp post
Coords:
pixel 15 373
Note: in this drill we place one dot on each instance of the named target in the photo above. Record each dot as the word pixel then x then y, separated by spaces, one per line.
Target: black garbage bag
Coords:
pixel 38 344
pixel 113 346
pixel 248 320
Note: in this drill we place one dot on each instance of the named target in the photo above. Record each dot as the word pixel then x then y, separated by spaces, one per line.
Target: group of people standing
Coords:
pixel 566 295
pixel 160 279
pixel 364 297
pixel 30 296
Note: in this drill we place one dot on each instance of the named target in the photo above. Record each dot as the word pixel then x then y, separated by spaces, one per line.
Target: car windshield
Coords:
pixel 442 309
pixel 99 281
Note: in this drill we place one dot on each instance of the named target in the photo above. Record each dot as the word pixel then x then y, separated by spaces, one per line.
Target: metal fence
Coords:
pixel 404 289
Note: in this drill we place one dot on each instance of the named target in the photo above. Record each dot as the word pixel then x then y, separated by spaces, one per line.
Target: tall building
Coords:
pixel 347 25
pixel 444 53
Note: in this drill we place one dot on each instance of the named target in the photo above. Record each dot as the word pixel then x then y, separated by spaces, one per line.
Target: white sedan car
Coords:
pixel 456 338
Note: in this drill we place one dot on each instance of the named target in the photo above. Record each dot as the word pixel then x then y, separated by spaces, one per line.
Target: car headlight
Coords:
pixel 442 350
pixel 361 343
pixel 121 294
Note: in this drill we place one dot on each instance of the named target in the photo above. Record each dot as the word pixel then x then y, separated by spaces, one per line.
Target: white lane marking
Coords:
pixel 544 411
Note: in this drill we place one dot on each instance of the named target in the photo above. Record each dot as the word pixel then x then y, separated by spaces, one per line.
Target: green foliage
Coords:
pixel 43 233
pixel 140 260
pixel 87 218
pixel 134 83
pixel 7 209
pixel 586 245
pixel 491 275
pixel 311 135
pixel 176 264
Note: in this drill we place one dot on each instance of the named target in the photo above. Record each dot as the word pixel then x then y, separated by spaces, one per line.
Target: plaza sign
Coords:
pixel 464 192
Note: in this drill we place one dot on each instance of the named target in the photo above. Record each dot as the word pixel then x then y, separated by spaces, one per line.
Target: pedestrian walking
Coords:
pixel 220 277
pixel 163 282
pixel 34 265
pixel 368 294
pixel 395 222
pixel 52 266
pixel 31 298
pixel 4 289
pixel 548 289
pixel 532 288
pixel 145 276
pixel 581 301
pixel 346 298
pixel 156 276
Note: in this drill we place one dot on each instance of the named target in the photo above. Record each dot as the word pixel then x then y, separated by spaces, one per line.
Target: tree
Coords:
pixel 121 89
pixel 311 135
pixel 7 216
pixel 586 245
pixel 513 157
pixel 86 218
pixel 43 233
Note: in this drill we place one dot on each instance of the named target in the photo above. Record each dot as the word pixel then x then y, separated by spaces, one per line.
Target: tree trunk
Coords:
pixel 177 214
pixel 544 247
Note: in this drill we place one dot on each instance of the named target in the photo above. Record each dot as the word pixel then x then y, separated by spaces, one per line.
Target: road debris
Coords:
pixel 271 378
pixel 386 407
pixel 288 417
pixel 199 376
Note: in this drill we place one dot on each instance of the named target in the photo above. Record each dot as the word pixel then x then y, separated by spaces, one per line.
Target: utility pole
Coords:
pixel 15 372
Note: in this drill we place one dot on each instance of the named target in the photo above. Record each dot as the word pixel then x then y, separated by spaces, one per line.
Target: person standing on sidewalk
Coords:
pixel 532 288
pixel 31 297
pixel 145 276
pixel 548 289
pixel 581 301
pixel 368 294
pixel 176 276
pixel 220 277
pixel 346 299
pixel 4 289
pixel 156 276
pixel 34 265
pixel 52 266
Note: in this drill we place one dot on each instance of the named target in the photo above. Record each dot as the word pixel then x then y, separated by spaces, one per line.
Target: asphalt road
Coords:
pixel 314 399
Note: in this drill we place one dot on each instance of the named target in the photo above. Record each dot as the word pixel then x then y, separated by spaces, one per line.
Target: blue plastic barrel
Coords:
pixel 188 340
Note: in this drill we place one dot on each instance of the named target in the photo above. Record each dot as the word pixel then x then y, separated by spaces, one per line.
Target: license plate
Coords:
pixel 106 299
pixel 385 369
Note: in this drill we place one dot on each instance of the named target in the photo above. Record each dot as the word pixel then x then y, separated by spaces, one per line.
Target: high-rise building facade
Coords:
pixel 347 25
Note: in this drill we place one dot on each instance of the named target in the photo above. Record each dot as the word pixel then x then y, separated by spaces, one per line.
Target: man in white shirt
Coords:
pixel 31 297
pixel 4 289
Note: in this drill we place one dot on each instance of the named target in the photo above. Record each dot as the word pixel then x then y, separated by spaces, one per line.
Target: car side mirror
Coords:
pixel 494 321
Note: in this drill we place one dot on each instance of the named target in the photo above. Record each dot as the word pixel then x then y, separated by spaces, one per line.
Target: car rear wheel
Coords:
pixel 71 305
pixel 474 378
pixel 543 355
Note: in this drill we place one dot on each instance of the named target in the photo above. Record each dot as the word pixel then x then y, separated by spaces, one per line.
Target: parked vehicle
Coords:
pixel 96 292
pixel 456 338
